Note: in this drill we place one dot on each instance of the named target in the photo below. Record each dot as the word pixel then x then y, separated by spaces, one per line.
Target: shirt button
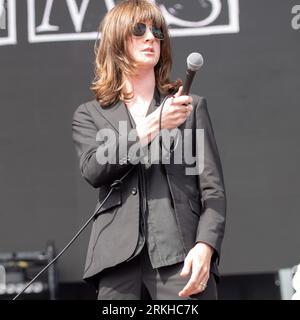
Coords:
pixel 133 191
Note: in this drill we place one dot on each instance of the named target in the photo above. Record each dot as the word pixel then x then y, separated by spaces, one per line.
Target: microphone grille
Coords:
pixel 194 61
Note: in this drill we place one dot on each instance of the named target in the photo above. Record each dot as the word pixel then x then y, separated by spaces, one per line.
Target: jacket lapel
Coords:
pixel 118 112
pixel 114 115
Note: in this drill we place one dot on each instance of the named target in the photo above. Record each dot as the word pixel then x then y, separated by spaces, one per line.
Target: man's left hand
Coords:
pixel 198 261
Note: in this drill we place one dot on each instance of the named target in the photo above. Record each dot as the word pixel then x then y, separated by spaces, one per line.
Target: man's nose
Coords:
pixel 149 35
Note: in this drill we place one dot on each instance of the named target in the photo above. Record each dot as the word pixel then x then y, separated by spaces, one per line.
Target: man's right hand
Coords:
pixel 176 110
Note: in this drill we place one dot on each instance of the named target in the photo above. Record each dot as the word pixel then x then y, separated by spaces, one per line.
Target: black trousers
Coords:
pixel 137 280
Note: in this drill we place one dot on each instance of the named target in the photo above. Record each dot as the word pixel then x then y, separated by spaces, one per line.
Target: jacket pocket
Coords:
pixel 195 206
pixel 115 199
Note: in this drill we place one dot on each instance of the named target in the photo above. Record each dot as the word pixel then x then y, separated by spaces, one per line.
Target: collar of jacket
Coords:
pixel 117 112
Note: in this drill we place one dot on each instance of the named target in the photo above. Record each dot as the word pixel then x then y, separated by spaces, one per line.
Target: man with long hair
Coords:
pixel 161 228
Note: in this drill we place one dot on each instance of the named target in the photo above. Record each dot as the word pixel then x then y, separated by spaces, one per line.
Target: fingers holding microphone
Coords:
pixel 176 110
pixel 179 92
pixel 183 103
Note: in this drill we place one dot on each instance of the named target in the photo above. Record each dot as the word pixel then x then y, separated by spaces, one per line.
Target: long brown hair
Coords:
pixel 113 62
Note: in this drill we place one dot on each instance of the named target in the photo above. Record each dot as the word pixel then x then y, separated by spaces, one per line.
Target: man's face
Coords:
pixel 145 49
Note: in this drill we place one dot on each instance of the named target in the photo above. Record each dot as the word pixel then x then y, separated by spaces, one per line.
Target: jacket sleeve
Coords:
pixel 211 183
pixel 88 149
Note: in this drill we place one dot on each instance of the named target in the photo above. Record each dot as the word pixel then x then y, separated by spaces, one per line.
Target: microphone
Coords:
pixel 194 63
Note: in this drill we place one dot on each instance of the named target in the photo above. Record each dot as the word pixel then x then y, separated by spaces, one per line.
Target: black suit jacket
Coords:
pixel 199 200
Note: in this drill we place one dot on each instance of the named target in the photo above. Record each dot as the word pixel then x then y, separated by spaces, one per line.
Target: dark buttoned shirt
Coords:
pixel 158 225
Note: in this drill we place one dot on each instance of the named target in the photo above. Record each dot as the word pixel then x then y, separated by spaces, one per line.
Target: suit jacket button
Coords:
pixel 133 191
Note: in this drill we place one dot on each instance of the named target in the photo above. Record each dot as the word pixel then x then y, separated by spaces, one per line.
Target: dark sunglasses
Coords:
pixel 140 29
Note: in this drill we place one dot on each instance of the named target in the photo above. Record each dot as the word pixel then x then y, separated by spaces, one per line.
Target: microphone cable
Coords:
pixel 160 115
pixel 114 186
